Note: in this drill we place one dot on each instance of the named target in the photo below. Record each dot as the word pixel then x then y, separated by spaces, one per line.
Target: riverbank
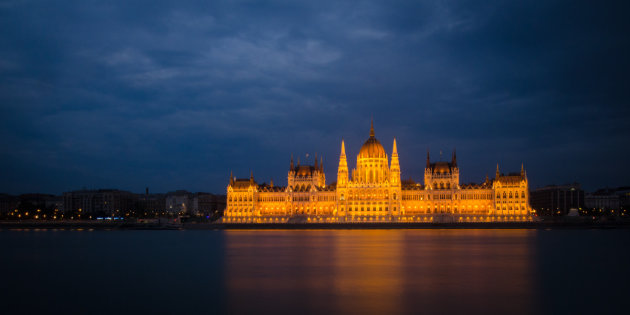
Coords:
pixel 94 225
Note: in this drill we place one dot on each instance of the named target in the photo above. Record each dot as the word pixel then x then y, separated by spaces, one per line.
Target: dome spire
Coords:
pixel 372 128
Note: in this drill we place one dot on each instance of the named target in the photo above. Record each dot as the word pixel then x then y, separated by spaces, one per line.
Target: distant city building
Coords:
pixel 110 202
pixel 624 197
pixel 8 203
pixel 43 200
pixel 100 202
pixel 374 193
pixel 179 201
pixel 557 200
pixel 606 199
pixel 207 203
pixel 151 203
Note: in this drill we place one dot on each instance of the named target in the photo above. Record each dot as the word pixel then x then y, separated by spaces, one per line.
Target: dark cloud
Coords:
pixel 136 93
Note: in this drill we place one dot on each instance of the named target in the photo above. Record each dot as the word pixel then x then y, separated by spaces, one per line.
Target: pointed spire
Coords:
pixel 454 159
pixel 487 179
pixel 428 159
pixel 522 170
pixel 315 164
pixel 395 165
pixel 292 166
pixel 251 177
pixel 372 128
pixel 321 163
pixel 231 179
pixel 498 174
pixel 298 163
pixel 271 183
pixel 342 170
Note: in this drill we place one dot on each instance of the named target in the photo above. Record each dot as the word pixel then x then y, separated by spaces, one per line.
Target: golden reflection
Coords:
pixel 380 271
pixel 367 273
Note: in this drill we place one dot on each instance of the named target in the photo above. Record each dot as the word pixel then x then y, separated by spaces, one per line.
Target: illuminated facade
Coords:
pixel 375 193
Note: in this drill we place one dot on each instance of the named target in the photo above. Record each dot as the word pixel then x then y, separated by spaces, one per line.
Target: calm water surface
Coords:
pixel 317 271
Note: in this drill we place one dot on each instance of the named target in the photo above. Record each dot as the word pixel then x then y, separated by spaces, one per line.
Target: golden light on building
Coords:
pixel 375 193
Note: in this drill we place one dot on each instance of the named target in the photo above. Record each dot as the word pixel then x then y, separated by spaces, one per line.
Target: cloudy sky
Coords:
pixel 130 94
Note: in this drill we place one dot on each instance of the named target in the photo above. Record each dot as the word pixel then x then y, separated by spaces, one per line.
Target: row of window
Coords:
pixel 239 198
pixel 379 209
pixel 357 196
pixel 353 209
pixel 441 186
pixel 512 208
pixel 487 196
pixel 448 196
pixel 510 195
pixel 269 199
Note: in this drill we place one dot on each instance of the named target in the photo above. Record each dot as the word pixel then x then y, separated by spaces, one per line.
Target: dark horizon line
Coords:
pixel 220 194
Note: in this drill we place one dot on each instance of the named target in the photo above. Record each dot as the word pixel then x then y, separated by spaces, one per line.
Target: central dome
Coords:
pixel 372 148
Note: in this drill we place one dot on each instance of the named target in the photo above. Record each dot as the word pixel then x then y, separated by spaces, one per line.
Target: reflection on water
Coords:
pixel 381 271
pixel 353 271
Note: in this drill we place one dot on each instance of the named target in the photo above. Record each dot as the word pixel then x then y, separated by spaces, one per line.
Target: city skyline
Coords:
pixel 118 96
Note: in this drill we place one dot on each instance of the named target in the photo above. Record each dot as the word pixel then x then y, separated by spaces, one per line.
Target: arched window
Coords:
pixel 504 195
pixel 522 194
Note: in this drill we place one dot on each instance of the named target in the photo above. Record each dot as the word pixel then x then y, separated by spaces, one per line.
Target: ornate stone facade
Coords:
pixel 375 193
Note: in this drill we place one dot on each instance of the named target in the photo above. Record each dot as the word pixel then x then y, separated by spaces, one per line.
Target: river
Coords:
pixel 316 271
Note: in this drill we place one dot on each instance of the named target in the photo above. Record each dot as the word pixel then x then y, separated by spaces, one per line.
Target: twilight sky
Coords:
pixel 129 94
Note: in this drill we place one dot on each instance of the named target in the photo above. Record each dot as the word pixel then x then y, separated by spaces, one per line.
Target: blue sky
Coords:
pixel 175 95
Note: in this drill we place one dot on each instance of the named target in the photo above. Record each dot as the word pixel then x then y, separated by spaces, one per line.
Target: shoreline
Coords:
pixel 70 225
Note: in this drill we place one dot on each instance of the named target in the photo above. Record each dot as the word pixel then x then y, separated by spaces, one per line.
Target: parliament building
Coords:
pixel 374 192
